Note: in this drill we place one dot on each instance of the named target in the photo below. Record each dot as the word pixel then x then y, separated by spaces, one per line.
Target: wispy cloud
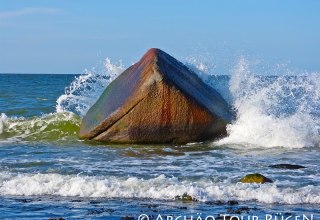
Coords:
pixel 27 11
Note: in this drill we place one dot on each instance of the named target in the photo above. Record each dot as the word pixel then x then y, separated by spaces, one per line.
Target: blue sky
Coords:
pixel 59 36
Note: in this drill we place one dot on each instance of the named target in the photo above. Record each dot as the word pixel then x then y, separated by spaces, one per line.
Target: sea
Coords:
pixel 47 172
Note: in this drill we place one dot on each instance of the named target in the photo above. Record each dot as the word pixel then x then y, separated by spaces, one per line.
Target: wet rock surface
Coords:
pixel 157 100
pixel 287 166
pixel 255 178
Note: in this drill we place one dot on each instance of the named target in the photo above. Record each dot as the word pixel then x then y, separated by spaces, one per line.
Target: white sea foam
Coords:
pixel 283 111
pixel 3 120
pixel 87 88
pixel 159 187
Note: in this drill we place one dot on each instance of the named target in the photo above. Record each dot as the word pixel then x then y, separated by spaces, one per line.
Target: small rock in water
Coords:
pixel 182 207
pixel 186 198
pixel 218 202
pixel 239 210
pixel 127 218
pixel 76 200
pixel 287 166
pixel 152 206
pixel 232 202
pixel 255 178
pixel 24 200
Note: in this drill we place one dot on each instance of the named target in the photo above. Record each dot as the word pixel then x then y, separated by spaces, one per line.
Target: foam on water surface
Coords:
pixel 160 187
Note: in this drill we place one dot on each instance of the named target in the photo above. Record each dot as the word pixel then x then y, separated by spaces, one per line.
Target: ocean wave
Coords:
pixel 274 111
pixel 160 187
pixel 49 127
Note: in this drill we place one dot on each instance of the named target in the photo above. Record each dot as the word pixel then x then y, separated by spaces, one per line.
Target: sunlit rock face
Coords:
pixel 157 100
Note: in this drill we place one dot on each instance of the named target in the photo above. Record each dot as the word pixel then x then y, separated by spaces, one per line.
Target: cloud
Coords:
pixel 27 11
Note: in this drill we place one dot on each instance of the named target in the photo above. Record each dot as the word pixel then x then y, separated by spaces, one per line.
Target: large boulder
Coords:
pixel 157 100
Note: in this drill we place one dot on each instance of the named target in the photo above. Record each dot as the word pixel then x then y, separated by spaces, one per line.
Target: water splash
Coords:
pixel 200 65
pixel 86 89
pixel 3 119
pixel 208 70
pixel 274 110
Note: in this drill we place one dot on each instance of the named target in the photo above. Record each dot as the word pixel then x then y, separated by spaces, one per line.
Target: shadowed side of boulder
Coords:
pixel 157 100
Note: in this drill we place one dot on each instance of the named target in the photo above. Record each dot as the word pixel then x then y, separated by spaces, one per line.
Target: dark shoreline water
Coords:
pixel 98 208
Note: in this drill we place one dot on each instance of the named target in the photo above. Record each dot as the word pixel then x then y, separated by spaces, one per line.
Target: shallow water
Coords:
pixel 46 171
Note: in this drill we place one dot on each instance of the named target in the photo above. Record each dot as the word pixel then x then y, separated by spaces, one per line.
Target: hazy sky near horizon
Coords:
pixel 59 36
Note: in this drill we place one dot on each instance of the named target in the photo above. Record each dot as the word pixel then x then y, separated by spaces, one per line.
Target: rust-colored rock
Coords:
pixel 157 100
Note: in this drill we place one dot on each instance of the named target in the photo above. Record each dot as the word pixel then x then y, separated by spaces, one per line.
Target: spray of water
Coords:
pixel 274 110
pixel 86 88
pixel 3 119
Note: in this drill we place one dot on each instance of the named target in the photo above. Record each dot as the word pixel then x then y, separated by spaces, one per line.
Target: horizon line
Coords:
pixel 39 73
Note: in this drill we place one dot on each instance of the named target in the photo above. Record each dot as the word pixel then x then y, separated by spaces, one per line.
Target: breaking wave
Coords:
pixel 274 111
pixel 160 187
pixel 54 126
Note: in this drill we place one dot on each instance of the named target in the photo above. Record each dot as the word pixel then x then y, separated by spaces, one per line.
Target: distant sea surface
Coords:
pixel 47 172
